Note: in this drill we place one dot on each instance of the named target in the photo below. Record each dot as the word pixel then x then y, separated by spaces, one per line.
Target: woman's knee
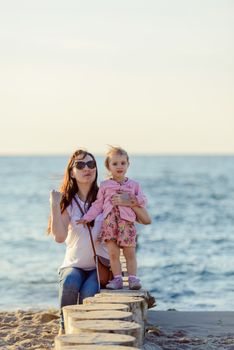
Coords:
pixel 70 280
pixel 69 283
pixel 89 288
pixel 88 292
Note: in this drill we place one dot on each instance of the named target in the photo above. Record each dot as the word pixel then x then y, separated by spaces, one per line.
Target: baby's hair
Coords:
pixel 114 150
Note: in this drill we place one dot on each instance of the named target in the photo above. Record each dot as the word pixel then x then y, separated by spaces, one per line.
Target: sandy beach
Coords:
pixel 169 330
pixel 30 329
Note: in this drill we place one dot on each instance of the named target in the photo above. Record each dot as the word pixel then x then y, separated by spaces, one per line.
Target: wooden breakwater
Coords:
pixel 112 319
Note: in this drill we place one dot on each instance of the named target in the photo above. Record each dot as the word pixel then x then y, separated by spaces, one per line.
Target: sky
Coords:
pixel 153 76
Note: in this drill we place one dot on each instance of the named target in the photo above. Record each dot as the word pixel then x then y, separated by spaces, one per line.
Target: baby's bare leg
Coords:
pixel 114 253
pixel 130 256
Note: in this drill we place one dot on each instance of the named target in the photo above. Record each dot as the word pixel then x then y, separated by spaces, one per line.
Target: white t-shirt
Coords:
pixel 79 251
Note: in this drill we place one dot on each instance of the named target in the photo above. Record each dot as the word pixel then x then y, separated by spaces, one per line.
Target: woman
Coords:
pixel 78 278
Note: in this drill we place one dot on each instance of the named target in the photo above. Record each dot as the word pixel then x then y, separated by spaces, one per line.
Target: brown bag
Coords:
pixel 103 270
pixel 104 273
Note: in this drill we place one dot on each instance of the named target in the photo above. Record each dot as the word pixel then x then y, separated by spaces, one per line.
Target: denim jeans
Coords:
pixel 74 286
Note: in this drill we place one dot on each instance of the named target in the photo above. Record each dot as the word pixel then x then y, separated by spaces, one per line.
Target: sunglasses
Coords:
pixel 91 164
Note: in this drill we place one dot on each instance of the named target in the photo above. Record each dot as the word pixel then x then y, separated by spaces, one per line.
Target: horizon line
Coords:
pixel 99 154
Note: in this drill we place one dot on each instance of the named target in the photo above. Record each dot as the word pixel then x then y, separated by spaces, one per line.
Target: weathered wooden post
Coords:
pixel 97 315
pixel 99 347
pixel 88 338
pixel 106 326
pixel 90 307
pixel 136 305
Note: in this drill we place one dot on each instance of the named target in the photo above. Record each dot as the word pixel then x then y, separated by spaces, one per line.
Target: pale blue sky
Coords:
pixel 151 76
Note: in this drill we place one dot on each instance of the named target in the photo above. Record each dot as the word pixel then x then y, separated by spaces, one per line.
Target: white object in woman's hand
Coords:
pixel 55 198
pixel 124 199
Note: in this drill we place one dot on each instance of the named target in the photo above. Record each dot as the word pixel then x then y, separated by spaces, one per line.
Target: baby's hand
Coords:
pixel 82 221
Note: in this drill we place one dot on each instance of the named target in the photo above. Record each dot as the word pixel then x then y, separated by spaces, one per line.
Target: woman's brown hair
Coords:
pixel 69 186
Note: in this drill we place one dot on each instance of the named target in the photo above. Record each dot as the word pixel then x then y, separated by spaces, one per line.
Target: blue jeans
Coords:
pixel 74 286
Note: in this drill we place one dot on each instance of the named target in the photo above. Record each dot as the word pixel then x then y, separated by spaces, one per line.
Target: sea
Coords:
pixel 185 257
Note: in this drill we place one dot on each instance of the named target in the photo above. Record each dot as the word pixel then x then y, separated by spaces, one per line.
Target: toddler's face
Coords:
pixel 118 166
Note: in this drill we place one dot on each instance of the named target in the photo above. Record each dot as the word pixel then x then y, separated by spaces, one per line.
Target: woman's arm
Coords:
pixel 142 215
pixel 59 222
pixel 124 199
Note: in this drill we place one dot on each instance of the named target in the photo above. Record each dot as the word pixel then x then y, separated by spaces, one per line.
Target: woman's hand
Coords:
pixel 55 198
pixel 59 221
pixel 128 200
pixel 125 199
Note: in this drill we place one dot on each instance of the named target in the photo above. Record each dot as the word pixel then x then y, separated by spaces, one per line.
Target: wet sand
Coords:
pixel 177 330
pixel 167 330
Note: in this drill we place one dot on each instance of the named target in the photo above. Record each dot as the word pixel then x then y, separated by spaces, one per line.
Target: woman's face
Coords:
pixel 84 170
